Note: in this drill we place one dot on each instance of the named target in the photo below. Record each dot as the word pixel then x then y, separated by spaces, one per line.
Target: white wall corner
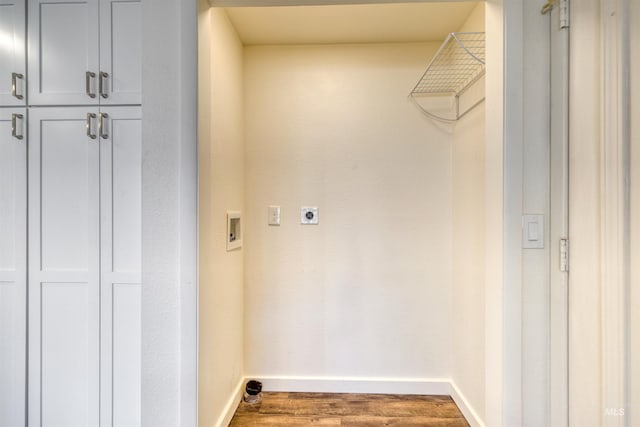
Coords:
pixel 231 406
pixel 169 359
pixel 188 216
pixel 467 410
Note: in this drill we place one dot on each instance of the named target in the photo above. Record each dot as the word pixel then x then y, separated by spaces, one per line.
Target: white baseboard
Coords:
pixel 231 406
pixel 467 410
pixel 356 385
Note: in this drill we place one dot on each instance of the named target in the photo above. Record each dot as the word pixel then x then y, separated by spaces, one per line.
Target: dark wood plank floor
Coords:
pixel 353 410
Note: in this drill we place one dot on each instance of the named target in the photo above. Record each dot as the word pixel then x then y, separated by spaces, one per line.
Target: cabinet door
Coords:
pixel 63 52
pixel 121 205
pixel 120 52
pixel 13 268
pixel 12 53
pixel 64 294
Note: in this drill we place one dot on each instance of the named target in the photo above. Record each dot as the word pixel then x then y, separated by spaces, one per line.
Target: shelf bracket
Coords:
pixel 456 67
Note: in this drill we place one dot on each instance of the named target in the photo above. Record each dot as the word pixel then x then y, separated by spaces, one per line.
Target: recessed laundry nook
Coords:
pixel 381 288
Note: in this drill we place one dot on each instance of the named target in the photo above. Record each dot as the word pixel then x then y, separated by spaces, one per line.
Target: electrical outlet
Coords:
pixel 309 215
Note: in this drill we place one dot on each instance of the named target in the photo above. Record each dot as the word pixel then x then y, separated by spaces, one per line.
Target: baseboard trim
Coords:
pixel 467 410
pixel 435 386
pixel 231 406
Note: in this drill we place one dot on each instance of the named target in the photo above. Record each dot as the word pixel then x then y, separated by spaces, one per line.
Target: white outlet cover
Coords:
pixel 309 215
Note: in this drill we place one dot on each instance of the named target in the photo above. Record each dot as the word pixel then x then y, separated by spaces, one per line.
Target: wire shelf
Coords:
pixel 457 65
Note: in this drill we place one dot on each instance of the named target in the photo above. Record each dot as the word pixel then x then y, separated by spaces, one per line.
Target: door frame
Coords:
pixel 615 209
pixel 558 222
pixel 599 213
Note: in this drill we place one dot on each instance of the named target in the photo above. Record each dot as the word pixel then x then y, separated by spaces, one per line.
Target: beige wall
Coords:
pixel 469 260
pixel 221 181
pixel 494 217
pixel 468 285
pixel 367 292
pixel 634 332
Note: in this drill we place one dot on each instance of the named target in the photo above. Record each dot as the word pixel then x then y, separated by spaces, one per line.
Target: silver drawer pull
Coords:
pixel 14 126
pixel 90 116
pixel 102 125
pixel 14 85
pixel 103 84
pixel 89 76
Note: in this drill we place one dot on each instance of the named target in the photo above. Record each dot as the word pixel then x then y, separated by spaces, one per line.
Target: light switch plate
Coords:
pixel 309 215
pixel 274 215
pixel 533 231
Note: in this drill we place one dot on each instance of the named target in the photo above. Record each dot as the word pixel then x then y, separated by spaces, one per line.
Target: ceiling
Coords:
pixel 359 23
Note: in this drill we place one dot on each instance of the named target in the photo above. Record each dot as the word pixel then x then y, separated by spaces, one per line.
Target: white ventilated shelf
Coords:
pixel 458 64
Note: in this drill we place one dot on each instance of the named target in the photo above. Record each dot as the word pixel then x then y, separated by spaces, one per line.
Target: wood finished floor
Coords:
pixel 352 410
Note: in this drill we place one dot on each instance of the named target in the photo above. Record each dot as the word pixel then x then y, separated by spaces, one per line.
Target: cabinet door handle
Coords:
pixel 103 84
pixel 88 77
pixel 90 116
pixel 14 126
pixel 14 85
pixel 102 125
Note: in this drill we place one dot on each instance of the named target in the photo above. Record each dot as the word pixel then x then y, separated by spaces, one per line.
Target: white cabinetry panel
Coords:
pixel 120 51
pixel 68 170
pixel 13 270
pixel 69 355
pixel 120 194
pixel 13 374
pixel 12 52
pixel 127 348
pixel 63 47
pixel 121 158
pixel 64 295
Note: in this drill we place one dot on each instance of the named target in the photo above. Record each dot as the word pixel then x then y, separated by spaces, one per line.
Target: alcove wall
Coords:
pixel 386 293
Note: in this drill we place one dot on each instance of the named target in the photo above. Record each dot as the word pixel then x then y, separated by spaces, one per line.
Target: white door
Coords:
pixel 64 295
pixel 13 267
pixel 12 53
pixel 63 52
pixel 120 52
pixel 120 194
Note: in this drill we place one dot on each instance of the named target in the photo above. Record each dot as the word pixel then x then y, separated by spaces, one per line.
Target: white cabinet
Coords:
pixel 121 231
pixel 13 267
pixel 64 273
pixel 84 52
pixel 120 52
pixel 70 279
pixel 63 51
pixel 84 266
pixel 12 53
